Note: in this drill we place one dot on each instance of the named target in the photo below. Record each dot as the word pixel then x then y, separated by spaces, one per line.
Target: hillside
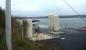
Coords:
pixel 18 42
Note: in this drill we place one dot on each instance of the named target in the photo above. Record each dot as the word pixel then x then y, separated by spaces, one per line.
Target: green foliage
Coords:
pixel 2 30
pixel 2 40
pixel 2 12
pixel 2 18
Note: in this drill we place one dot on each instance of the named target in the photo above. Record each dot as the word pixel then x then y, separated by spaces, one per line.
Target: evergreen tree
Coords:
pixel 2 18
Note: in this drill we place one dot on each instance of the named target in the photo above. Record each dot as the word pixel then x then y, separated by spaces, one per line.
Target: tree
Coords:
pixel 2 18
pixel 2 29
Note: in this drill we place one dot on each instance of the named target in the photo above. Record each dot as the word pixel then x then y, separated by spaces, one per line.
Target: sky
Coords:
pixel 32 8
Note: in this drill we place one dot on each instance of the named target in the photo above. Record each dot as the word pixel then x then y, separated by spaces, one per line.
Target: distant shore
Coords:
pixel 41 17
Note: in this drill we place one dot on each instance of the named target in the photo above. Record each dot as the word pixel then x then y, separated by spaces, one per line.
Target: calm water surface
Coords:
pixel 73 40
pixel 66 22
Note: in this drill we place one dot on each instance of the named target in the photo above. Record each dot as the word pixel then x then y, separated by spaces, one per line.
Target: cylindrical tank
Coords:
pixel 53 21
pixel 29 28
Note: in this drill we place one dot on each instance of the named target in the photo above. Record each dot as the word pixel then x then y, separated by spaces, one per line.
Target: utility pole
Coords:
pixel 8 24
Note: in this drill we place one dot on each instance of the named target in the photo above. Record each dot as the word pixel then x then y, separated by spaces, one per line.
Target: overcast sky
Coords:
pixel 43 7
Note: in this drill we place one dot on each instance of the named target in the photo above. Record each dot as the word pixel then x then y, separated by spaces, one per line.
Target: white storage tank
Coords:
pixel 53 21
pixel 29 28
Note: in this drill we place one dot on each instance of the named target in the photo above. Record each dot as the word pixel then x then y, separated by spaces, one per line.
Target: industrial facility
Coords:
pixel 33 29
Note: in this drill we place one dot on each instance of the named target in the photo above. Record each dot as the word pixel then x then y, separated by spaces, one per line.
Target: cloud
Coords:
pixel 43 7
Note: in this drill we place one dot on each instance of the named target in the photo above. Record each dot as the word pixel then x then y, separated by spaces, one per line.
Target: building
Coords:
pixel 35 25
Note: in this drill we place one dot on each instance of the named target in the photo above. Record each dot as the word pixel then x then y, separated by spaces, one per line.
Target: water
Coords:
pixel 75 40
pixel 66 22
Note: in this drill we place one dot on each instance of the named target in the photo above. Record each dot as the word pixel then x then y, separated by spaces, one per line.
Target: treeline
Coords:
pixel 2 29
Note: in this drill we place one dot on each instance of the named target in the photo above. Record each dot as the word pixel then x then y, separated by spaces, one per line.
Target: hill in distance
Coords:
pixel 71 16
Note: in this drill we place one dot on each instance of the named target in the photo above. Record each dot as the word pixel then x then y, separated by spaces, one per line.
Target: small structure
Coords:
pixel 35 26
